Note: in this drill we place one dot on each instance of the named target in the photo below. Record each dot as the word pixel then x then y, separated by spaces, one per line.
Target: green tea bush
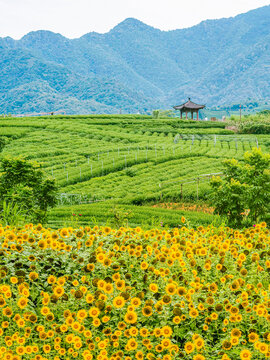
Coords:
pixel 126 157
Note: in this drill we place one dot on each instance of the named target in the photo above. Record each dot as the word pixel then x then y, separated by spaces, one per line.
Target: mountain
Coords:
pixel 135 67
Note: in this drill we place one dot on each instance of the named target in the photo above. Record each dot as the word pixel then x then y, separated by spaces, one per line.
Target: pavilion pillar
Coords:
pixel 192 114
pixel 181 114
pixel 197 114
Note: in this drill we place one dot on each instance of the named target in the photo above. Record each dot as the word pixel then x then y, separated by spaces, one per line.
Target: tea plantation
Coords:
pixel 110 165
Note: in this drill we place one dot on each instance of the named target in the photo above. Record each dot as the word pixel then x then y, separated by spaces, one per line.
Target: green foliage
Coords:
pixel 11 214
pixel 265 112
pixel 168 113
pixel 23 183
pixel 243 195
pixel 255 129
pixel 120 217
pixel 72 220
pixel 130 172
pixel 253 124
pixel 155 114
pixel 2 142
pixel 229 199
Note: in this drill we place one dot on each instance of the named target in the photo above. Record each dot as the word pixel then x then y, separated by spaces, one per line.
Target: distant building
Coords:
pixel 187 107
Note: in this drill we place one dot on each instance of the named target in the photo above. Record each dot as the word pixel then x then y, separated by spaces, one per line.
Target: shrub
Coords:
pixel 255 129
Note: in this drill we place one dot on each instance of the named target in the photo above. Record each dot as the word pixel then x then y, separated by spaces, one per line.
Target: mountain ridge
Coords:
pixel 136 67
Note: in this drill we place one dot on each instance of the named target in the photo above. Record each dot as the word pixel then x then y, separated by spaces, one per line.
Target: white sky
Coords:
pixel 73 18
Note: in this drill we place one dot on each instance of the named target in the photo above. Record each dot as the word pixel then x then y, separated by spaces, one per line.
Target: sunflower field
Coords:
pixel 100 293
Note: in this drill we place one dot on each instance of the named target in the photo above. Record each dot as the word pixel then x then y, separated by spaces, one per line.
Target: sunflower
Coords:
pixel 108 288
pixel 167 331
pixel 79 234
pixel 119 302
pixel 61 281
pixel 51 279
pixel 170 289
pixel 107 230
pixel 139 355
pixel 107 262
pixel 181 291
pixel 20 350
pixel 144 332
pixel 133 331
pixel 193 313
pixel 198 357
pixel 58 291
pixel 33 276
pixel 236 332
pixel 14 280
pixel 253 337
pixel 22 302
pixel 90 267
pixel 147 311
pixel 166 299
pixel 213 288
pixel 33 318
pixel 120 284
pixel 94 312
pixel 153 287
pixel 157 332
pixel 45 310
pixel 159 348
pixel 50 317
pixel 81 314
pixel 42 244
pixel 144 265
pixel 189 347
pixel 131 317
pixel 245 354
pixel 234 341
pixel 176 320
pixel 199 343
pixel 226 345
pixel 64 232
pixel 132 344
pixel 135 302
pixel 263 347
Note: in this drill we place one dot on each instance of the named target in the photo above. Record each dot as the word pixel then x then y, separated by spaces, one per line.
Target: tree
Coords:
pixel 155 114
pixel 243 194
pixel 23 184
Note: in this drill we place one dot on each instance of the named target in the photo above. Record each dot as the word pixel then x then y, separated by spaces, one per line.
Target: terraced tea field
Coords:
pixel 130 160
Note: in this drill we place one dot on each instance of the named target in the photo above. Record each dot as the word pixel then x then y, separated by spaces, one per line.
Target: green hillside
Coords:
pixel 131 161
pixel 137 68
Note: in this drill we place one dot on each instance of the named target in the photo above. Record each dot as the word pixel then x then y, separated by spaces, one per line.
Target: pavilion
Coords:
pixel 189 106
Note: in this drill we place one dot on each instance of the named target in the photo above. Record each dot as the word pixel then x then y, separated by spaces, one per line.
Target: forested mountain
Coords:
pixel 136 67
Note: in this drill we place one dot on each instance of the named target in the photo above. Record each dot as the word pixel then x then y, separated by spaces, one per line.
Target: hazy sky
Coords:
pixel 74 18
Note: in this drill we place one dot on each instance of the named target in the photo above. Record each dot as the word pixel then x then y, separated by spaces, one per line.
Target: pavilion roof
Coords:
pixel 189 106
